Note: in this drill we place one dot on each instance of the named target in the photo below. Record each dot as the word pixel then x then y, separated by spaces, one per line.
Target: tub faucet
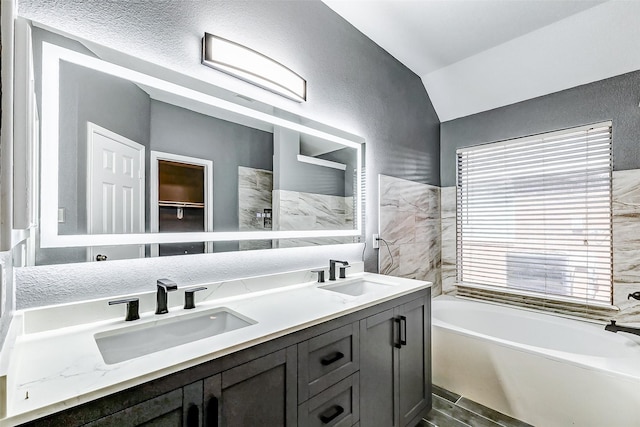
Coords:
pixel 332 268
pixel 164 286
pixel 635 295
pixel 612 327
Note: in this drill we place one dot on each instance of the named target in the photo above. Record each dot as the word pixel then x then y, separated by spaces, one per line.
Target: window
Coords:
pixel 534 215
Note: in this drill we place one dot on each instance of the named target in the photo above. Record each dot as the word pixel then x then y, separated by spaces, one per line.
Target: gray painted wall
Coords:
pixel 613 99
pixel 353 84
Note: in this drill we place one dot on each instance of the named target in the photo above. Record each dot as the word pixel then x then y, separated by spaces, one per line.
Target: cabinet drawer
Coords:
pixel 327 359
pixel 338 406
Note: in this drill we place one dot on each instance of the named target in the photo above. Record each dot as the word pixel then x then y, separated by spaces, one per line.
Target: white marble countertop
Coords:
pixel 55 362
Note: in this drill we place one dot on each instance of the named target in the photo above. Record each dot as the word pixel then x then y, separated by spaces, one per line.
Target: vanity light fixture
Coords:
pixel 253 67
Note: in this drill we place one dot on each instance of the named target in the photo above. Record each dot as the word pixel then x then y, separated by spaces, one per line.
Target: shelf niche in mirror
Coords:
pixel 259 194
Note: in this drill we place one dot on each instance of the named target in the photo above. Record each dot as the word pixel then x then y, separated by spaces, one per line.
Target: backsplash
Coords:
pixel 626 243
pixel 63 283
pixel 410 224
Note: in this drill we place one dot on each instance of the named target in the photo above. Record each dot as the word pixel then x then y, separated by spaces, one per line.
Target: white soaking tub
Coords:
pixel 545 370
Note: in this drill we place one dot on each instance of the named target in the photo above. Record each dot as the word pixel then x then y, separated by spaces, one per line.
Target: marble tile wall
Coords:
pixel 254 196
pixel 626 246
pixel 294 210
pixel 309 211
pixel 410 224
pixel 448 227
pixel 626 243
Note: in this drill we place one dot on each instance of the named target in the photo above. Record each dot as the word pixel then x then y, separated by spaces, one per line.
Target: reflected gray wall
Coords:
pixel 292 175
pixel 346 156
pixel 228 144
pixel 109 102
pixel 353 84
pixel 613 99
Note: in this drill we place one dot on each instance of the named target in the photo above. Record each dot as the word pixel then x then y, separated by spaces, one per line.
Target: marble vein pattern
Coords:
pixel 448 227
pixel 294 210
pixel 626 243
pixel 255 187
pixel 410 224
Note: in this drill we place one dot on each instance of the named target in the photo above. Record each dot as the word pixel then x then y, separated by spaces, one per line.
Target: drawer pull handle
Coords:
pixel 398 344
pixel 331 414
pixel 211 417
pixel 333 357
pixel 403 330
pixel 193 416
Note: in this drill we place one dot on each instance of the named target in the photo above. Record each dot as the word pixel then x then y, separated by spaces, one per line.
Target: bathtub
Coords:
pixel 545 370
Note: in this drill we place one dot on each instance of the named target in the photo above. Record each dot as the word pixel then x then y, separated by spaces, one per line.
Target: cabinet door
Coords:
pixel 178 408
pixel 414 359
pixel 378 371
pixel 395 365
pixel 258 393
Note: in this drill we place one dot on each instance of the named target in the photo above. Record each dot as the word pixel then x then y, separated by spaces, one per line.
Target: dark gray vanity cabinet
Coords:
pixel 368 368
pixel 395 369
pixel 180 407
pixel 259 392
pixel 328 378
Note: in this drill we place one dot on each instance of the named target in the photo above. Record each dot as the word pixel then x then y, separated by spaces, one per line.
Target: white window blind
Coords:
pixel 534 215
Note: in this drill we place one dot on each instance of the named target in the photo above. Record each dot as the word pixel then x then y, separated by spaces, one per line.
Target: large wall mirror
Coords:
pixel 133 165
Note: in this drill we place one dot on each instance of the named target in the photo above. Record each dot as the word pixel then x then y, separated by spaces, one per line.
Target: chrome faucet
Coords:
pixel 612 327
pixel 164 286
pixel 332 268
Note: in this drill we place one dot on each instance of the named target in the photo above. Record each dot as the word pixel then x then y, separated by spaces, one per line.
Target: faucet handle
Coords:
pixel 343 271
pixel 320 275
pixel 167 284
pixel 133 306
pixel 189 297
pixel 635 295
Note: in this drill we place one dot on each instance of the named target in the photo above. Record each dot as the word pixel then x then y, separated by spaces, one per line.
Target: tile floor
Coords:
pixel 452 410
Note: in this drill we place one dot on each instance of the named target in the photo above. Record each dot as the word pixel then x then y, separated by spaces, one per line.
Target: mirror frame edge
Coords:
pixel 49 237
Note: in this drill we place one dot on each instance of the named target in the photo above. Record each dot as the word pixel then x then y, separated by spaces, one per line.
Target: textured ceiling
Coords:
pixel 476 55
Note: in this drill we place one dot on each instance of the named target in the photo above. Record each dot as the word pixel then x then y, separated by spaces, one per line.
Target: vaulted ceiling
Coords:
pixel 476 55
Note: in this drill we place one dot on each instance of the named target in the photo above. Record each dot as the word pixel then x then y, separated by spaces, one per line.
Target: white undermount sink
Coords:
pixel 357 288
pixel 139 340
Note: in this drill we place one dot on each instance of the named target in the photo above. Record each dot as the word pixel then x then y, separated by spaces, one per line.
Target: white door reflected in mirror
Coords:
pixel 114 190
